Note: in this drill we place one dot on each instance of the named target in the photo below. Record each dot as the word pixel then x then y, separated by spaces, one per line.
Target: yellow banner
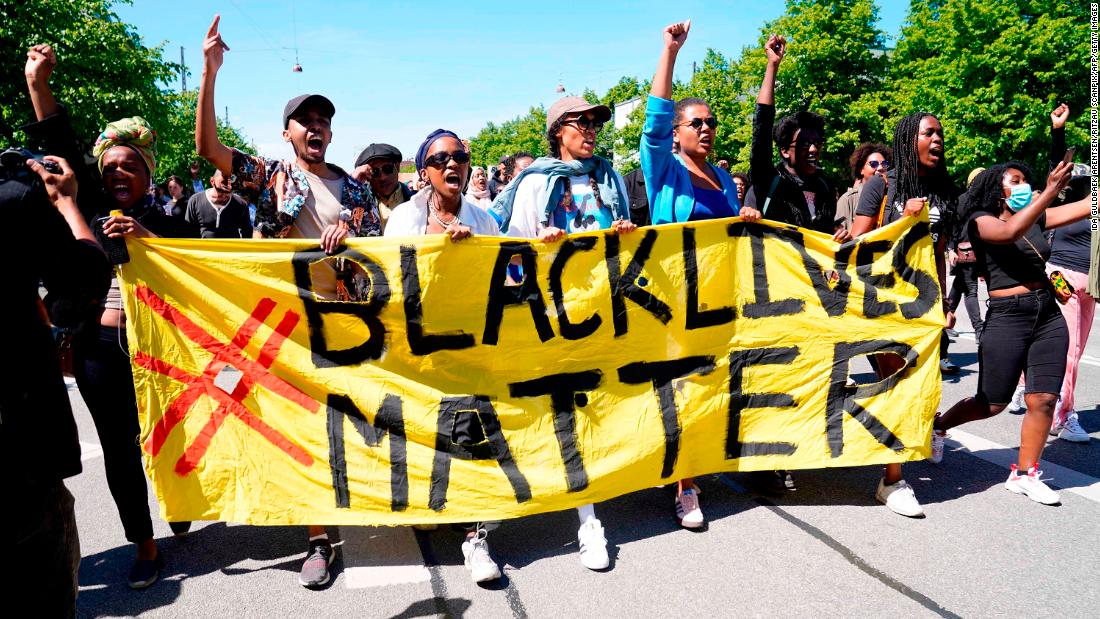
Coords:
pixel 448 393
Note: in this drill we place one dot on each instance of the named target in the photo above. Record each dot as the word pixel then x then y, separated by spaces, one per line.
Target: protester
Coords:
pixel 572 190
pixel 444 164
pixel 918 180
pixel 176 196
pixel 1070 255
pixel 308 198
pixel 681 186
pixel 380 165
pixel 794 191
pixel 218 213
pixel 442 208
pixel 639 200
pixel 498 179
pixel 125 155
pixel 867 160
pixel 742 181
pixel 516 164
pixel 478 193
pixel 61 255
pixel 964 271
pixel 1007 227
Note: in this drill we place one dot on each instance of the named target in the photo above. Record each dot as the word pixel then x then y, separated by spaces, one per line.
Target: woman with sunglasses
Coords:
pixel 682 185
pixel 676 141
pixel 441 208
pixel 478 193
pixel 867 160
pixel 570 191
pixel 443 164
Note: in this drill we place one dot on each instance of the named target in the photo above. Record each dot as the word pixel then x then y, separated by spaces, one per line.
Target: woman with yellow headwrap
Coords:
pixel 120 200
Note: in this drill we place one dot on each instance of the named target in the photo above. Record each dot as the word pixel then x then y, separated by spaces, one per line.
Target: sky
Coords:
pixel 396 71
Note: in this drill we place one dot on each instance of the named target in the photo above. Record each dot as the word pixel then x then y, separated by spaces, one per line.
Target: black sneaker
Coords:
pixel 315 568
pixel 180 528
pixel 145 572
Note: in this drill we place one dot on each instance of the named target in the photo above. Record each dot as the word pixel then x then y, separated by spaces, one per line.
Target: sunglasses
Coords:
pixel 386 169
pixel 439 160
pixel 585 123
pixel 885 165
pixel 697 123
pixel 807 144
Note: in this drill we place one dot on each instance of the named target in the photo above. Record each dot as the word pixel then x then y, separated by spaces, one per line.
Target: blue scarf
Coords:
pixel 556 171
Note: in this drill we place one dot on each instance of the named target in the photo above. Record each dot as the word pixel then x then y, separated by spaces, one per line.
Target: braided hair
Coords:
pixel 907 180
pixel 567 188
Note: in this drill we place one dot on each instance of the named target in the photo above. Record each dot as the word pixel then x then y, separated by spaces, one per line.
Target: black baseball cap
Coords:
pixel 378 151
pixel 297 103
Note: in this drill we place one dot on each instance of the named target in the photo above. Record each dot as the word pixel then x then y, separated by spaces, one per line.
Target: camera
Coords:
pixel 13 164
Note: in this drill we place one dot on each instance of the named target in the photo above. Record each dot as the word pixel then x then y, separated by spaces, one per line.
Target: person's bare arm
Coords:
pixel 993 230
pixel 41 61
pixel 1058 216
pixel 61 189
pixel 207 143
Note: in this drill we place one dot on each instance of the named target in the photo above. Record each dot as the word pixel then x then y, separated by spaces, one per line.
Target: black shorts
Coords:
pixel 1022 333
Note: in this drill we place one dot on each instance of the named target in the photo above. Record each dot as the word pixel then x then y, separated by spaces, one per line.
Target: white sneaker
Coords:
pixel 476 552
pixel 688 511
pixel 1017 404
pixel 937 444
pixel 1031 486
pixel 593 545
pixel 900 498
pixel 1072 431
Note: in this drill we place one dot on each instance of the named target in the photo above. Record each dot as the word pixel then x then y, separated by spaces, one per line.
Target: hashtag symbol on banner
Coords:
pixel 231 353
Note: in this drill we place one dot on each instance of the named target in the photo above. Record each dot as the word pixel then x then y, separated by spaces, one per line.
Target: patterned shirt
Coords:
pixel 279 190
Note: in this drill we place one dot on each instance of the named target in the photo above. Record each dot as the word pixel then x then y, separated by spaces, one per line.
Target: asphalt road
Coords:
pixel 826 549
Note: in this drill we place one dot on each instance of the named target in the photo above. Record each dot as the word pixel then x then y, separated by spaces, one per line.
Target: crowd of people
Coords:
pixel 997 230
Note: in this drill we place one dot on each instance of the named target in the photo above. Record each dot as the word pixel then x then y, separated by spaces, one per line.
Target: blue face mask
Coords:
pixel 1019 198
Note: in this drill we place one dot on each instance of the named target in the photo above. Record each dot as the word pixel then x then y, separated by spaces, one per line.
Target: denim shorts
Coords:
pixel 1022 333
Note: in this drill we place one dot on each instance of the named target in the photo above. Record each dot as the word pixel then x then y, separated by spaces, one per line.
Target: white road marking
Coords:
pixel 1085 359
pixel 1067 479
pixel 89 451
pixel 381 556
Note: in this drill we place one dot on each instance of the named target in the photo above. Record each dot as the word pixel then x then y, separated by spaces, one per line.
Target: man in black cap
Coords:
pixel 305 198
pixel 379 165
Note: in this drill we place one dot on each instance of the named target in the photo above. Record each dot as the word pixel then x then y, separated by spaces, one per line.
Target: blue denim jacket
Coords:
pixel 668 182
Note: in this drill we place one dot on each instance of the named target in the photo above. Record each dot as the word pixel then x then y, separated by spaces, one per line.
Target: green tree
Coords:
pixel 834 60
pixel 105 72
pixel 992 71
pixel 523 133
pixel 176 139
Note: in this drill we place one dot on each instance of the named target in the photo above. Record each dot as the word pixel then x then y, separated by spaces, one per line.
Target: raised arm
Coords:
pixel 1058 120
pixel 674 36
pixel 207 143
pixel 40 64
pixel 776 49
pixel 993 230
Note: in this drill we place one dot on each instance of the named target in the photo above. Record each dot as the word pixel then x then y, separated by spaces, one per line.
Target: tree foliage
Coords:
pixel 105 72
pixel 991 70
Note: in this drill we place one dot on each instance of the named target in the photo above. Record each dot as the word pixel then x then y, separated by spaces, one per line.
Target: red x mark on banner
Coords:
pixel 229 353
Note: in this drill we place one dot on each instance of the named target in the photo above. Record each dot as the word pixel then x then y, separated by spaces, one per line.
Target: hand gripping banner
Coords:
pixel 446 392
